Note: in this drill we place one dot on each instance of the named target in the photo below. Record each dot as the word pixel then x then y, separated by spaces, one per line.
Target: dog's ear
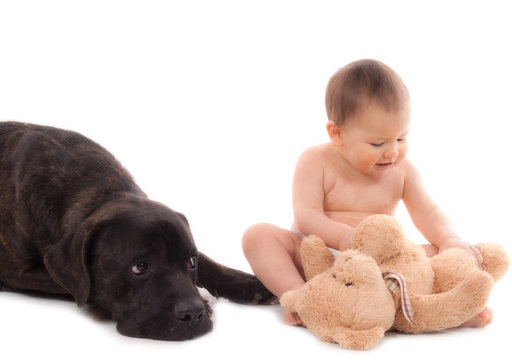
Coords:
pixel 66 263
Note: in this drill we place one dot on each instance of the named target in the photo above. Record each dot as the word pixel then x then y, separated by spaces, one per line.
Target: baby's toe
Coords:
pixel 481 320
pixel 292 318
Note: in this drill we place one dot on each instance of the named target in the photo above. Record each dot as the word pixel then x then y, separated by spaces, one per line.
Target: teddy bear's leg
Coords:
pixel 450 268
pixel 358 339
pixel 449 309
pixel 315 256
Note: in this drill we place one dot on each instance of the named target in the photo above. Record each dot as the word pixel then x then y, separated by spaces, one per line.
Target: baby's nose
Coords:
pixel 391 153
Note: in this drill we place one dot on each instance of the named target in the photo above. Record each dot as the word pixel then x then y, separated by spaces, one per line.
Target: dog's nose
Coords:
pixel 190 317
pixel 190 314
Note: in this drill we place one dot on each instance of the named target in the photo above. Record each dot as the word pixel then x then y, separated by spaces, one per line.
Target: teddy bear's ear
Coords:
pixel 289 300
pixel 358 339
pixel 315 256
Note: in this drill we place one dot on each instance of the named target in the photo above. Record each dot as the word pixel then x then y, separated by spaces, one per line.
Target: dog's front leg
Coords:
pixel 235 285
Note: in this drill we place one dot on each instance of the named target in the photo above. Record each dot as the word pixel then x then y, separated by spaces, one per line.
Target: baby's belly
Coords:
pixel 350 218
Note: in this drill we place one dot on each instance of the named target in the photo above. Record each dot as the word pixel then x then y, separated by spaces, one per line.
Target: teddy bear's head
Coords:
pixel 352 278
pixel 348 303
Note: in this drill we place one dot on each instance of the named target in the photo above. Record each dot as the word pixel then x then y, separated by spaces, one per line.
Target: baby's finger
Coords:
pixel 477 254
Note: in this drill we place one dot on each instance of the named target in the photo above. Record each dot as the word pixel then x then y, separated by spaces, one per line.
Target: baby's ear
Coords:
pixel 358 339
pixel 315 256
pixel 334 132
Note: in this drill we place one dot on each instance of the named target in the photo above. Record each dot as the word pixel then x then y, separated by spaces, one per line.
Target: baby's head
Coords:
pixel 360 84
pixel 368 110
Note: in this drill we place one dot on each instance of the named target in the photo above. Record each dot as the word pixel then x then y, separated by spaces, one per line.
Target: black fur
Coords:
pixel 73 221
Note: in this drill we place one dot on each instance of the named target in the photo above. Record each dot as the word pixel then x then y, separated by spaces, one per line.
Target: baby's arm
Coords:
pixel 428 217
pixel 308 199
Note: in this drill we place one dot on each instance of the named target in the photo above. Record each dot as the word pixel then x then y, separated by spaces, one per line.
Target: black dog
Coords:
pixel 73 221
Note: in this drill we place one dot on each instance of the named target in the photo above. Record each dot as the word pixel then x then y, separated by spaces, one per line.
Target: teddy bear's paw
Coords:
pixel 495 259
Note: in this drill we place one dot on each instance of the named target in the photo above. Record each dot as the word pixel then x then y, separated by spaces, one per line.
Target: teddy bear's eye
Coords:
pixel 348 284
pixel 334 276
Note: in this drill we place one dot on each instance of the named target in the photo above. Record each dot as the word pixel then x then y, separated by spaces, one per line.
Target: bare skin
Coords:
pixel 362 171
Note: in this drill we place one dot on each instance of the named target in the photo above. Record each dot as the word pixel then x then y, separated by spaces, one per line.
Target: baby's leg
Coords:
pixel 274 256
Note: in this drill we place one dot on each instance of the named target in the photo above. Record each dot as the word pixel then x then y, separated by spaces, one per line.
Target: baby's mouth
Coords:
pixel 384 165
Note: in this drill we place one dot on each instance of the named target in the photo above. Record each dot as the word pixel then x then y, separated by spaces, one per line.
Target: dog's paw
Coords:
pixel 267 298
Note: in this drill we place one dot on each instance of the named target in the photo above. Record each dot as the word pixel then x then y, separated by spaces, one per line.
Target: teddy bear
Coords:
pixel 386 281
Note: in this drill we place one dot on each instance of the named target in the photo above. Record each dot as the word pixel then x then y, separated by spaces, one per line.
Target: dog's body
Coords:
pixel 73 221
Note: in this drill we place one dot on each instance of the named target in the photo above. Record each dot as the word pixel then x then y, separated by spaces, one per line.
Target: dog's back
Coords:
pixel 50 180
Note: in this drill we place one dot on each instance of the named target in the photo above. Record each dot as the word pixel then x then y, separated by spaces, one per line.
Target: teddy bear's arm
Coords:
pixel 358 339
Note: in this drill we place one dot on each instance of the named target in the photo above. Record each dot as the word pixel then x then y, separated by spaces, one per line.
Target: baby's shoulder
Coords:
pixel 317 153
pixel 312 161
pixel 409 169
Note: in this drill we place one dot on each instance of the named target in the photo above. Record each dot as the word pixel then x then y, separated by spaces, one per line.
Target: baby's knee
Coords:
pixel 254 234
pixel 265 235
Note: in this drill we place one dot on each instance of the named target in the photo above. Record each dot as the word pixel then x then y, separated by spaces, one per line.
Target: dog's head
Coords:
pixel 137 259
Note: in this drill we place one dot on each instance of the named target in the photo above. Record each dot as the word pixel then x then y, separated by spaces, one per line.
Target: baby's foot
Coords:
pixel 481 320
pixel 292 318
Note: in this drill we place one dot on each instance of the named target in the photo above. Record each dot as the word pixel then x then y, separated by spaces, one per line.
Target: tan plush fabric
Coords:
pixel 347 301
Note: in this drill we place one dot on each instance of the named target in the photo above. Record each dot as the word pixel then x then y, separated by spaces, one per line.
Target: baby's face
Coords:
pixel 375 141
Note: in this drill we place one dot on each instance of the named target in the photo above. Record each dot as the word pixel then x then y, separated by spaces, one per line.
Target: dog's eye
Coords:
pixel 140 268
pixel 192 262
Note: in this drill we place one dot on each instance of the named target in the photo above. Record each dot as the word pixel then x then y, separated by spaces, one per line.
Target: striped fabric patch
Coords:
pixel 396 282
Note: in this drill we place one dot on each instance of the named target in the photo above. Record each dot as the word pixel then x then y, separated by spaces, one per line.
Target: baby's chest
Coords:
pixel 378 197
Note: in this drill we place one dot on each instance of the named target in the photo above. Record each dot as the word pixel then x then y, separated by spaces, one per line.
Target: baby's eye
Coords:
pixel 377 145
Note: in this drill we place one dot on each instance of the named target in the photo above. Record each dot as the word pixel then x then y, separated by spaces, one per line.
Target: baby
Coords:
pixel 362 171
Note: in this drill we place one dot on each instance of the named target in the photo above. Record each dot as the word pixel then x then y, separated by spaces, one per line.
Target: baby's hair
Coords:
pixel 361 83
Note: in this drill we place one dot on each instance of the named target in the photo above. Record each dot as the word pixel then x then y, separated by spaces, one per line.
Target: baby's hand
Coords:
pixel 458 243
pixel 346 241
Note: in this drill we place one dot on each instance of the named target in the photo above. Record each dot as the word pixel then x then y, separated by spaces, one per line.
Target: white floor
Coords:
pixel 33 327
pixel 209 104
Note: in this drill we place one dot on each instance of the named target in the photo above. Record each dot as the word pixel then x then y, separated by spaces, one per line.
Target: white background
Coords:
pixel 209 104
